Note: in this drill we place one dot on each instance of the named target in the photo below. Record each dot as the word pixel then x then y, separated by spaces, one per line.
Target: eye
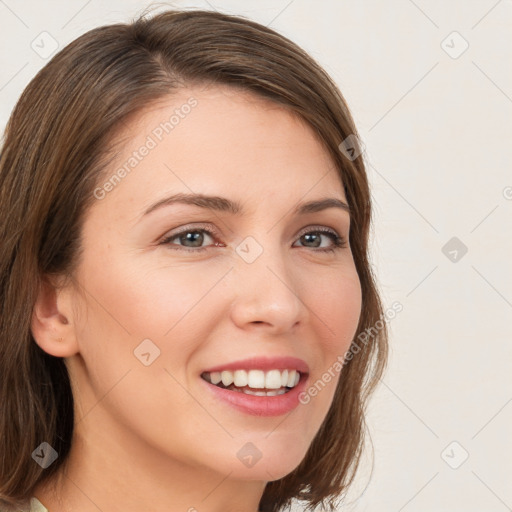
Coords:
pixel 313 237
pixel 190 238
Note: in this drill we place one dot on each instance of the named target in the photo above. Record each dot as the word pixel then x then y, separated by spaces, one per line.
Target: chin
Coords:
pixel 266 464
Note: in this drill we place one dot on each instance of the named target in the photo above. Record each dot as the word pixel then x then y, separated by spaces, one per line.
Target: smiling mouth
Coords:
pixel 255 382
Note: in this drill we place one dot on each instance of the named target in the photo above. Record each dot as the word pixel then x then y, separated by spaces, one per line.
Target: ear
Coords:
pixel 52 323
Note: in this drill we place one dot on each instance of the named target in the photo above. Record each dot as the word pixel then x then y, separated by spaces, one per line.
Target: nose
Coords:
pixel 267 293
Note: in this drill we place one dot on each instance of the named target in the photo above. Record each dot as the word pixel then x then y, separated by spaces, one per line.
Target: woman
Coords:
pixel 184 275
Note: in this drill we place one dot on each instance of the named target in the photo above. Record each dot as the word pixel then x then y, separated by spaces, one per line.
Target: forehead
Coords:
pixel 220 139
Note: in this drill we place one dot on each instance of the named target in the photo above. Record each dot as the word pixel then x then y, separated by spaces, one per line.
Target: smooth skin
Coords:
pixel 149 437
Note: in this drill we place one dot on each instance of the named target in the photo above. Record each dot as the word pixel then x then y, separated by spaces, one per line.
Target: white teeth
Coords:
pixel 273 379
pixel 291 378
pixel 256 379
pixel 215 377
pixel 250 391
pixel 240 378
pixel 273 392
pixel 255 393
pixel 227 378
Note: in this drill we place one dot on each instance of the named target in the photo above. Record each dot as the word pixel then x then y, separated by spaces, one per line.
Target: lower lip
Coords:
pixel 260 405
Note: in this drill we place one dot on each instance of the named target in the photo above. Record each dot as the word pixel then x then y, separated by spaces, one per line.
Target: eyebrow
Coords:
pixel 223 204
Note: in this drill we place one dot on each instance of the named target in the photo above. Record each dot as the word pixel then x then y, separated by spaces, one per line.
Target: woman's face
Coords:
pixel 176 289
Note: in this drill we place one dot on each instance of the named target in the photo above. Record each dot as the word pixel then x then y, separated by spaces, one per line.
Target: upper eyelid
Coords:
pixel 198 227
pixel 213 231
pixel 312 227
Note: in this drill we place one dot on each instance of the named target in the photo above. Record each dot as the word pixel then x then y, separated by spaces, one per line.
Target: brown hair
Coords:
pixel 54 150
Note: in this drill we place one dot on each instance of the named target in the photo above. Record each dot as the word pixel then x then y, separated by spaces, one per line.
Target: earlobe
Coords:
pixel 51 322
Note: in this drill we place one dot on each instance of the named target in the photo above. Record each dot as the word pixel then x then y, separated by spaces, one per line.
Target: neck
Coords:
pixel 100 474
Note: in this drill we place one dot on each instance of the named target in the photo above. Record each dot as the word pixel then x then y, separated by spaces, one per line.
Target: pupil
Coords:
pixel 194 236
pixel 309 236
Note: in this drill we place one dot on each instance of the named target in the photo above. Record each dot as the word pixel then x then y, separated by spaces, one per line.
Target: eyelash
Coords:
pixel 339 242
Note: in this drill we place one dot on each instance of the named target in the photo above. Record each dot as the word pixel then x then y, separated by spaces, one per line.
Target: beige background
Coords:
pixel 436 122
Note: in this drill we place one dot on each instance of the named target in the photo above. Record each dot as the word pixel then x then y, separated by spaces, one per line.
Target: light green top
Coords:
pixel 36 506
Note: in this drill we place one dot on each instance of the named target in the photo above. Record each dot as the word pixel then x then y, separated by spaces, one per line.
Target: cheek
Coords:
pixel 129 302
pixel 336 308
pixel 147 301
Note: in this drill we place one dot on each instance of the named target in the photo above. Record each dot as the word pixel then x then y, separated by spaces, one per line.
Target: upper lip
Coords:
pixel 263 363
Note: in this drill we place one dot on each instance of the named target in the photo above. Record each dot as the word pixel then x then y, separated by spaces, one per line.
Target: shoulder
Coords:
pixel 36 506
